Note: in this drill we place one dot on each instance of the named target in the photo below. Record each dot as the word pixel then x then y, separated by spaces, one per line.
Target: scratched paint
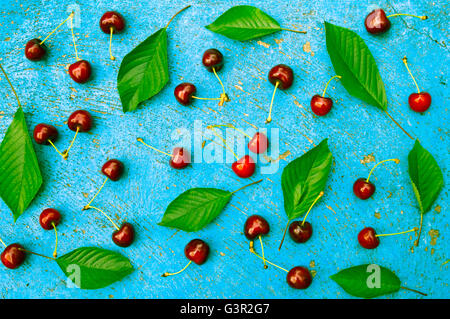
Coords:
pixel 356 131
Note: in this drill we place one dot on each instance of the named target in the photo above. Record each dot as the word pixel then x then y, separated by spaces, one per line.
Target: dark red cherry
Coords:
pixel 12 257
pixel 113 169
pixel 124 237
pixel 80 71
pixel 80 119
pixel 197 251
pixel 300 233
pixel 259 143
pixel 321 105
pixel 180 158
pixel 363 189
pixel 212 58
pixel 283 74
pixel 377 22
pixel 35 51
pixel 244 167
pixel 43 133
pixel 112 19
pixel 419 102
pixel 48 217
pixel 368 239
pixel 255 226
pixel 184 92
pixel 299 277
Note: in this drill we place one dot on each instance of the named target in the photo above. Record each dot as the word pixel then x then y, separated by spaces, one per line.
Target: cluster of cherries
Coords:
pixel 80 71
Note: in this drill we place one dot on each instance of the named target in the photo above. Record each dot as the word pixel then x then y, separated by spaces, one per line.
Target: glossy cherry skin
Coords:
pixel 124 237
pixel 255 226
pixel 180 158
pixel 244 167
pixel 112 19
pixel 212 58
pixel 321 105
pixel 283 74
pixel 80 71
pixel 299 277
pixel 367 238
pixel 419 102
pixel 49 217
pixel 259 143
pixel 184 92
pixel 197 251
pixel 80 119
pixel 113 169
pixel 43 133
pixel 377 22
pixel 12 257
pixel 299 233
pixel 363 189
pixel 34 51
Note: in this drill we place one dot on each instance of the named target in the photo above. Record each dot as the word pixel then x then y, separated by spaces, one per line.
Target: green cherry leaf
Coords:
pixel 426 176
pixel 94 268
pixel 367 281
pixel 304 178
pixel 244 23
pixel 354 62
pixel 20 176
pixel 144 71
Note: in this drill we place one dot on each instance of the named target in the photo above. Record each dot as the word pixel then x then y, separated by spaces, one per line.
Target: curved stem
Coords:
pixel 326 86
pixel 73 38
pixel 30 252
pixel 56 240
pixel 405 62
pixel 284 235
pixel 10 84
pixel 396 160
pixel 310 207
pixel 392 234
pixel 262 251
pixel 175 16
pixel 90 202
pixel 398 125
pixel 407 14
pixel 207 98
pixel 1 241
pixel 155 149
pixel 292 30
pixel 66 152
pixel 166 274
pixel 54 30
pixel 245 186
pixel 112 222
pixel 223 141
pixel 229 125
pixel 269 118
pixel 416 243
pixel 57 150
pixel 221 84
pixel 111 30
pixel 413 290
pixel 252 250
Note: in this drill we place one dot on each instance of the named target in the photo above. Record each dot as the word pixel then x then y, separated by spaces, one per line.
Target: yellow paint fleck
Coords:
pixel 368 159
pixel 434 234
pixel 307 48
pixel 377 215
pixel 264 44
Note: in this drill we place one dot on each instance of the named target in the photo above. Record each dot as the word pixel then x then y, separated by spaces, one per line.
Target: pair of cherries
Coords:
pixel 245 166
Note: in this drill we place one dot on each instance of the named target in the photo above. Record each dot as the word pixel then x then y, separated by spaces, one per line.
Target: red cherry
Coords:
pixel 13 256
pixel 197 251
pixel 113 169
pixel 283 74
pixel 212 59
pixel 180 158
pixel 363 189
pixel 43 133
pixel 112 19
pixel 300 233
pixel 35 51
pixel 419 102
pixel 184 92
pixel 255 226
pixel 367 238
pixel 244 167
pixel 321 105
pixel 259 143
pixel 80 119
pixel 124 237
pixel 377 22
pixel 299 277
pixel 49 217
pixel 80 71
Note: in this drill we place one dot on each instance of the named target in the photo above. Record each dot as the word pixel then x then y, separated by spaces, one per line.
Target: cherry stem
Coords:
pixel 223 97
pixel 30 252
pixel 111 30
pixel 413 290
pixel 65 154
pixel 176 15
pixel 405 62
pixel 262 251
pixel 98 209
pixel 90 202
pixel 398 125
pixel 167 274
pixel 229 125
pixel 10 84
pixel 326 86
pixel 239 189
pixel 407 14
pixel 292 30
pixel 1 241
pixel 396 160
pixel 252 250
pixel 56 240
pixel 225 146
pixel 284 235
pixel 73 38
pixel 416 243
pixel 207 98
pixel 269 118
pixel 314 202
pixel 57 150
pixel 54 30
pixel 403 232
pixel 155 149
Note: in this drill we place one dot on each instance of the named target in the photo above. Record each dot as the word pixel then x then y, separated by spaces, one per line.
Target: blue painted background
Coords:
pixel 354 130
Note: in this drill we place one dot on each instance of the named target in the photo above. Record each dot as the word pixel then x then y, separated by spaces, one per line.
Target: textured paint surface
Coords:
pixel 356 132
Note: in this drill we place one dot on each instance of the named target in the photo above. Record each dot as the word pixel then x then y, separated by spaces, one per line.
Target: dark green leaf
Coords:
pixel 304 178
pixel 20 176
pixel 144 71
pixel 426 176
pixel 195 208
pixel 94 268
pixel 353 61
pixel 244 23
pixel 361 281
